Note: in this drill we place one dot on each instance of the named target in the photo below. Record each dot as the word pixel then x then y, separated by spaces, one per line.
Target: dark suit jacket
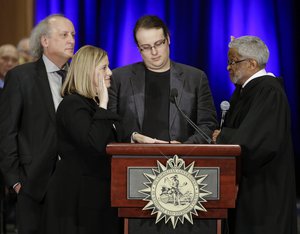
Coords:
pixel 127 95
pixel 28 144
pixel 79 190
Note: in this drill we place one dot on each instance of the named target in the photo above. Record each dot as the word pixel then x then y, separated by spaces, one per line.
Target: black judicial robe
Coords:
pixel 259 121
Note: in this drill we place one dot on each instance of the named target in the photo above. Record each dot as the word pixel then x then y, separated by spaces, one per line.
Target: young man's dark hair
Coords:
pixel 150 21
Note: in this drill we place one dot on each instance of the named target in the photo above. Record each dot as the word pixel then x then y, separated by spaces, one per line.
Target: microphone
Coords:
pixel 173 99
pixel 225 105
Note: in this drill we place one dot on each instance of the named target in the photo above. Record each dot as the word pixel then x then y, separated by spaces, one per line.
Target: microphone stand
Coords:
pixel 199 131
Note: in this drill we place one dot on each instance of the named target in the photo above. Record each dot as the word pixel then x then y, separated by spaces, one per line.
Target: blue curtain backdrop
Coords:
pixel 200 32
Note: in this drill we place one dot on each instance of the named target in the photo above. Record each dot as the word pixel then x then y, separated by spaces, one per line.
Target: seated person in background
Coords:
pixel 78 196
pixel 25 55
pixel 8 60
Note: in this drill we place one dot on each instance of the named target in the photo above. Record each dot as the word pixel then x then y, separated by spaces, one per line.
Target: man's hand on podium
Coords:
pixel 140 138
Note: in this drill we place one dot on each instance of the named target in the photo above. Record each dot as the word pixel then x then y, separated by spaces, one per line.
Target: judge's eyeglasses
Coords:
pixel 231 63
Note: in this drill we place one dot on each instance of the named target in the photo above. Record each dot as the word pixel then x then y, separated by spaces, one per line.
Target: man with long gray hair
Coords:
pixel 259 121
pixel 27 122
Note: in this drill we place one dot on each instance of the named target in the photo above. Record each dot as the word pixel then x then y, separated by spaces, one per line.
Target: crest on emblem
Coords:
pixel 175 192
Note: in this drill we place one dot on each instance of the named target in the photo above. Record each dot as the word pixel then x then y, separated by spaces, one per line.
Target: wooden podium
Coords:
pixel 131 161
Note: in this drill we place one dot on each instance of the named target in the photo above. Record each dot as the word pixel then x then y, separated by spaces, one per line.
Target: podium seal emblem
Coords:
pixel 175 192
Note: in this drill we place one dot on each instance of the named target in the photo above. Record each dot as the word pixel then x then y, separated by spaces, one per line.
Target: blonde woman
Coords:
pixel 78 197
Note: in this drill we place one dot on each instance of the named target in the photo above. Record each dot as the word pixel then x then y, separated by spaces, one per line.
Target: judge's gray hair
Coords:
pixel 41 29
pixel 251 47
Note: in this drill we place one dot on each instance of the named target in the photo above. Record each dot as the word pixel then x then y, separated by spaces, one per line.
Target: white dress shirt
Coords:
pixel 260 73
pixel 55 80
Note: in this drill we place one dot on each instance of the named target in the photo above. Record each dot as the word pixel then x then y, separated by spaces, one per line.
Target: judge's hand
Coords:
pixel 175 142
pixel 17 188
pixel 215 135
pixel 140 138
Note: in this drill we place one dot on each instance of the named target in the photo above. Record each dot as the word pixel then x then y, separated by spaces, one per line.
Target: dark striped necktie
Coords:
pixel 62 74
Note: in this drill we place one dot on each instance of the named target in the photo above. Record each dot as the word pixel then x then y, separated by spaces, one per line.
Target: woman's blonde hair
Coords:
pixel 81 71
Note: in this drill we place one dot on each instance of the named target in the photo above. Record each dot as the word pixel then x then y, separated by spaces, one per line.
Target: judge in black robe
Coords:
pixel 259 121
